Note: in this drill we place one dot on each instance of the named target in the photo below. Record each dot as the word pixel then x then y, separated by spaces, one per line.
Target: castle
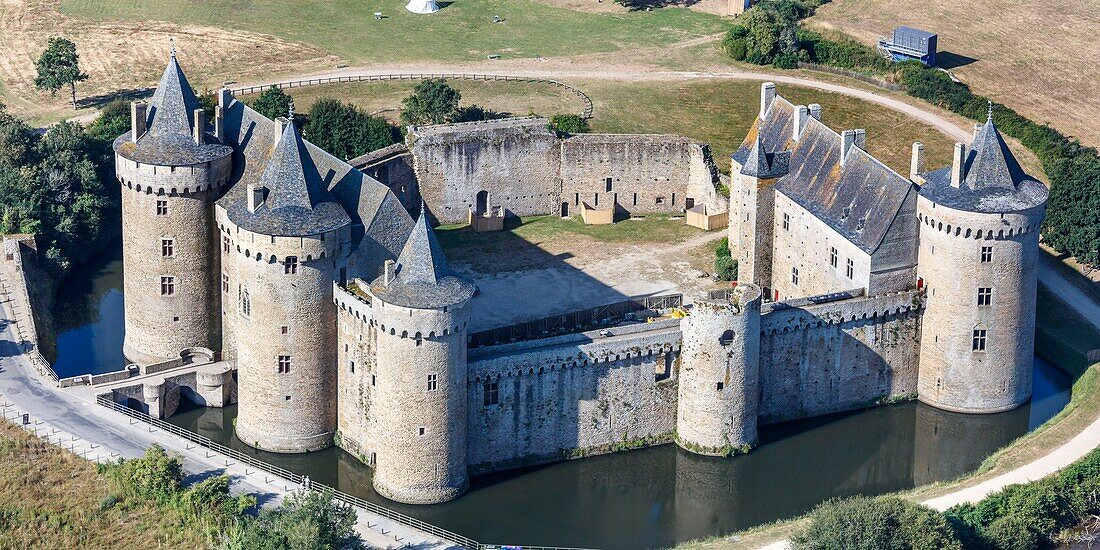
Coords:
pixel 347 326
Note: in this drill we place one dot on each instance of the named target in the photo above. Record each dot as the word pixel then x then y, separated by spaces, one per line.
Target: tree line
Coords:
pixel 770 34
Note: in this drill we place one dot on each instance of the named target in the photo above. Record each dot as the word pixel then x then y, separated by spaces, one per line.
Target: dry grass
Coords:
pixel 1040 58
pixel 384 98
pixel 50 498
pixel 130 54
pixel 720 112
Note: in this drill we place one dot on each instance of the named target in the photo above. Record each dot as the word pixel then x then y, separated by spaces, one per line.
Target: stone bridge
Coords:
pixel 156 389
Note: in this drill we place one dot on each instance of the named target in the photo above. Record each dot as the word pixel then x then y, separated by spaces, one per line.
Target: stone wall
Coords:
pixel 514 161
pixel 640 173
pixel 820 358
pixel 571 396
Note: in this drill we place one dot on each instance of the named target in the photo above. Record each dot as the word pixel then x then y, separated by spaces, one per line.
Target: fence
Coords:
pixel 851 74
pixel 575 321
pixel 585 100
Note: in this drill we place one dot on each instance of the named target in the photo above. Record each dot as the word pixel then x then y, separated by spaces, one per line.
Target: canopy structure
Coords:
pixel 422 6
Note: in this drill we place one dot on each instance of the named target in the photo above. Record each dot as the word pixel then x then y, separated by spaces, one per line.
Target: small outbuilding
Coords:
pixel 909 43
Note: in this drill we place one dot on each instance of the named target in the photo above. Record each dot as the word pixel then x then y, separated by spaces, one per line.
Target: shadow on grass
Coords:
pixel 951 60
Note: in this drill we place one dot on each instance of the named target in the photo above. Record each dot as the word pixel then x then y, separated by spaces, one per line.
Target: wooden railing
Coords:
pixel 585 100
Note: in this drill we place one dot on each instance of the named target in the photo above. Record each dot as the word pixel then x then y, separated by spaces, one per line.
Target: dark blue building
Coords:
pixel 909 43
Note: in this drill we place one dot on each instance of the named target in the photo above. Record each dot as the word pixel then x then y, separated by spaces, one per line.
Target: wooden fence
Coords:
pixel 585 100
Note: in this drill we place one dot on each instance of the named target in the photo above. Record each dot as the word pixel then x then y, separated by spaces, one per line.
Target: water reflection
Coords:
pixel 660 496
pixel 88 317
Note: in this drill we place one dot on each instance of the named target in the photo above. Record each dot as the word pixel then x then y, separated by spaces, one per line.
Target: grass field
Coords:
pixel 718 112
pixel 463 30
pixel 1040 58
pixel 50 498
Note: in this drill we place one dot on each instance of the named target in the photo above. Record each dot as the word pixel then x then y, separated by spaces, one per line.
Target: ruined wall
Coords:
pixel 821 358
pixel 515 161
pixel 393 167
pixel 647 173
pixel 571 396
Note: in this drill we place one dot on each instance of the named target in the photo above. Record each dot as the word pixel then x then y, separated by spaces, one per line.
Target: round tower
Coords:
pixel 979 247
pixel 420 310
pixel 287 240
pixel 169 167
pixel 719 374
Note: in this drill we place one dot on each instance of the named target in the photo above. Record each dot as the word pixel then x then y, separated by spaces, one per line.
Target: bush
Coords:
pixel 303 522
pixel 345 131
pixel 567 125
pixel 155 476
pixel 875 524
pixel 725 266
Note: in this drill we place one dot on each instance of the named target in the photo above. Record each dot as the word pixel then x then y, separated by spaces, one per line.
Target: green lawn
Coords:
pixel 463 30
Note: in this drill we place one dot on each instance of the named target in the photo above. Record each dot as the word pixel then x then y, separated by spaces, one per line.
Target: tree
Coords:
pixel 59 66
pixel 569 124
pixel 272 103
pixel 345 131
pixel 433 102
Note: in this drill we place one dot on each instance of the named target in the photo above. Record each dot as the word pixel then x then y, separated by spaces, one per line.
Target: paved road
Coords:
pixel 73 420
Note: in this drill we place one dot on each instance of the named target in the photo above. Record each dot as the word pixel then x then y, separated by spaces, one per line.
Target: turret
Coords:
pixel 281 253
pixel 979 246
pixel 419 315
pixel 753 194
pixel 170 167
pixel 720 373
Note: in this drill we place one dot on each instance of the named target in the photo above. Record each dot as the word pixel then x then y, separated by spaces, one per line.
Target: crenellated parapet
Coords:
pixel 837 309
pixel 142 177
pixel 978 225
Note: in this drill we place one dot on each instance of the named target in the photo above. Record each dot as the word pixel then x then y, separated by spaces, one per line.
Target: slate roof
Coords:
pixel 168 140
pixel 761 164
pixel 297 202
pixel 860 199
pixel 423 278
pixel 993 181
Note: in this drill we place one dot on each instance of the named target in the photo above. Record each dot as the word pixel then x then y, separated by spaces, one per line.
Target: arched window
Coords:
pixel 482 202
pixel 727 338
pixel 243 301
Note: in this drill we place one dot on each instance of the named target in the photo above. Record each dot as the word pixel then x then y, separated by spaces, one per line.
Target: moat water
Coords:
pixel 647 498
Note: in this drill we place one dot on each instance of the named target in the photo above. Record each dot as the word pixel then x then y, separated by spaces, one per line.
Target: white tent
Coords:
pixel 422 6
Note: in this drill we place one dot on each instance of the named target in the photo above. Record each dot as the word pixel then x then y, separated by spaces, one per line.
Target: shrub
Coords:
pixel 304 521
pixel 156 476
pixel 874 524
pixel 725 266
pixel 566 125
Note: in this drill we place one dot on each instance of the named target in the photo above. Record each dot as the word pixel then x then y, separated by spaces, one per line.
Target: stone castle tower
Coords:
pixel 979 245
pixel 720 373
pixel 170 167
pixel 420 310
pixel 282 249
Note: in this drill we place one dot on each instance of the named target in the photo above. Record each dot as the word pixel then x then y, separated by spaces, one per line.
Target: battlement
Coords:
pixel 836 309
pixel 979 225
pixel 173 180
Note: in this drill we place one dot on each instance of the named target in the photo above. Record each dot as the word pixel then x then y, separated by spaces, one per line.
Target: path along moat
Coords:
pixel 647 498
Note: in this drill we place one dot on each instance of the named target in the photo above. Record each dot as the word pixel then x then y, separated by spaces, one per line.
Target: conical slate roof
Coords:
pixel 992 163
pixel 993 180
pixel 296 201
pixel 423 278
pixel 169 139
pixel 761 164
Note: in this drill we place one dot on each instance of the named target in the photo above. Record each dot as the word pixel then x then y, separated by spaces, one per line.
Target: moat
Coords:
pixel 653 497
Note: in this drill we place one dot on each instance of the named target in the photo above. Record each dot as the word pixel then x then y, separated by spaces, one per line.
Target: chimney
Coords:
pixel 139 112
pixel 219 124
pixel 255 197
pixel 199 131
pixel 861 139
pixel 389 272
pixel 225 97
pixel 848 140
pixel 815 110
pixel 957 161
pixel 767 96
pixel 916 163
pixel 801 114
